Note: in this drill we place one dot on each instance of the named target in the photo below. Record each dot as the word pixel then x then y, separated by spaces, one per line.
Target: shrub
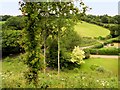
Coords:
pixel 106 25
pixel 108 37
pixel 108 51
pixel 105 51
pixel 10 42
pixel 100 45
pixel 87 53
pixel 100 69
pixel 101 38
pixel 77 55
pixel 108 42
pixel 93 51
pixel 117 40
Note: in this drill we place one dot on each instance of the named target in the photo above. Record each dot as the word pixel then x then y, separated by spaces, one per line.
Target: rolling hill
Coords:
pixel 85 29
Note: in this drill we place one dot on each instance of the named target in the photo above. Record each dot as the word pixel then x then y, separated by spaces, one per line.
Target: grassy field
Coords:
pixel 84 77
pixel 90 30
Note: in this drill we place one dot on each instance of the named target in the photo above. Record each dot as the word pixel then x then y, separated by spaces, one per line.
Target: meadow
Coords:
pixel 95 73
pixel 85 29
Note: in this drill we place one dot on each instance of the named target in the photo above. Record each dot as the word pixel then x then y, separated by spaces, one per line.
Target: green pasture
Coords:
pixel 85 29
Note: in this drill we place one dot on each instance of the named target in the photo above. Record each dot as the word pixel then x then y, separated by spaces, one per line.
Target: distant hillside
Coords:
pixel 85 29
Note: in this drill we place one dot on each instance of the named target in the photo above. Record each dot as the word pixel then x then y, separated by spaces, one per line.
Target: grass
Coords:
pixel 2 22
pixel 108 63
pixel 85 29
pixel 13 75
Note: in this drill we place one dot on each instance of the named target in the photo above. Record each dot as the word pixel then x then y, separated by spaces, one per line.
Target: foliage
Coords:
pixel 32 42
pixel 108 37
pixel 35 12
pixel 104 19
pixel 4 17
pixel 100 45
pixel 77 55
pixel 67 45
pixel 115 30
pixel 69 39
pixel 10 42
pixel 105 51
pixel 14 23
pixel 87 53
pixel 112 40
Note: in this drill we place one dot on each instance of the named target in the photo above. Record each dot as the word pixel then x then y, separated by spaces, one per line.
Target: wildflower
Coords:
pixel 62 79
pixel 83 78
pixel 103 83
pixel 97 80
pixel 107 84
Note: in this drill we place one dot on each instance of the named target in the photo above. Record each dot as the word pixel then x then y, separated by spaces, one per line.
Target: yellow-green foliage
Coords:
pixel 77 55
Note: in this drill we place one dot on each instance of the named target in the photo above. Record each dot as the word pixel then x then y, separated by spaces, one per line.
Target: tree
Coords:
pixel 104 19
pixel 14 23
pixel 117 19
pixel 4 17
pixel 32 39
pixel 34 11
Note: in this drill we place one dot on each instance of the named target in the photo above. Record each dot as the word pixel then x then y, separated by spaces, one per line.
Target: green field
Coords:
pixel 13 71
pixel 90 30
pixel 108 63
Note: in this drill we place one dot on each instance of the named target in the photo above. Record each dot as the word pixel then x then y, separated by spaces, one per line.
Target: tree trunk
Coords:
pixel 44 54
pixel 58 52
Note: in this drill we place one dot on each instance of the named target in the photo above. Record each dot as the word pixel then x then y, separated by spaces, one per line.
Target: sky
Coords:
pixel 99 7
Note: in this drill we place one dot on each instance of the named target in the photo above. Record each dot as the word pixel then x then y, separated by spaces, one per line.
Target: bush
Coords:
pixel 106 25
pixel 93 51
pixel 108 51
pixel 108 41
pixel 100 45
pixel 108 37
pixel 101 38
pixel 105 51
pixel 100 69
pixel 10 42
pixel 117 40
pixel 77 55
pixel 87 53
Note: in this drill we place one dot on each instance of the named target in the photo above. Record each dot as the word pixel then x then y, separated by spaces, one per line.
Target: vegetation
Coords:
pixel 14 23
pixel 54 47
pixel 84 77
pixel 106 51
pixel 35 12
pixel 10 42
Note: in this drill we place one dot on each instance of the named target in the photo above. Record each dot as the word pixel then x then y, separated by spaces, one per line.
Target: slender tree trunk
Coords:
pixel 58 52
pixel 44 54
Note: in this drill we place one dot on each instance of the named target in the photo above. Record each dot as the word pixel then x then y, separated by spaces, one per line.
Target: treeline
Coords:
pixel 13 22
pixel 110 22
pixel 104 19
